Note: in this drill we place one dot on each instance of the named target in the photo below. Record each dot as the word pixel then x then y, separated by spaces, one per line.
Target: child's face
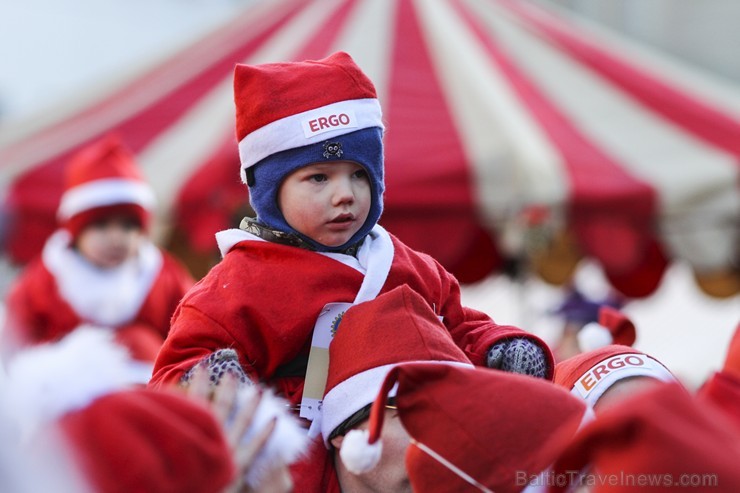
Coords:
pixel 110 242
pixel 328 202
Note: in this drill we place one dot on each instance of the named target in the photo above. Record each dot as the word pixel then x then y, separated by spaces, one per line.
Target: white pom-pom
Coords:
pixel 593 336
pixel 358 455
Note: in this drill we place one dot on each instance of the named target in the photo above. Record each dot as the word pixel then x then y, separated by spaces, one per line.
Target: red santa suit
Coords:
pixel 61 291
pixel 263 300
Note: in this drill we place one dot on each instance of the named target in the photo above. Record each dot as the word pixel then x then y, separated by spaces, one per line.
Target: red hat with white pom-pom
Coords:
pixel 590 374
pixel 613 327
pixel 101 180
pixel 471 429
pixel 397 326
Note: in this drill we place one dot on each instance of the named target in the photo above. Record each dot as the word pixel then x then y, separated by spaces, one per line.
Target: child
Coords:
pixel 99 268
pixel 310 142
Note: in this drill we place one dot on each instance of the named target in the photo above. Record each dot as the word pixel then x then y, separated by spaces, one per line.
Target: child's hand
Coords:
pixel 518 355
pixel 237 416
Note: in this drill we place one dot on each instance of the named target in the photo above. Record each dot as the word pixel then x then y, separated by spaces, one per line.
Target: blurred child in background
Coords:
pixel 100 268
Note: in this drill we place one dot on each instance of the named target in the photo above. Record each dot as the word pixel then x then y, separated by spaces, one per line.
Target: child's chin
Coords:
pixel 337 242
pixel 109 262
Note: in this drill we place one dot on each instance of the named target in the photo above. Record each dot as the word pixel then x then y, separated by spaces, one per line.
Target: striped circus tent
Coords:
pixel 517 136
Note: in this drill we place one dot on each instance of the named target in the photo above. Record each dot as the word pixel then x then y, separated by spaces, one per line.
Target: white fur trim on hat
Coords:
pixel 309 127
pixel 359 390
pixel 593 336
pixel 100 193
pixel 348 396
pixel 593 383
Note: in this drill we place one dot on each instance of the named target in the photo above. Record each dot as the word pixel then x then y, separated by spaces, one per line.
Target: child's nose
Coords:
pixel 117 233
pixel 344 191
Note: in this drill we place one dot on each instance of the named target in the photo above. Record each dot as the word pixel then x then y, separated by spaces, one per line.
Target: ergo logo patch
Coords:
pixel 318 124
pixel 616 363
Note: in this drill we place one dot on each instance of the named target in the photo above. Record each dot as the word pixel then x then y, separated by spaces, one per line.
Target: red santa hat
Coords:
pixel 722 388
pixel 51 379
pixel 124 438
pixel 732 359
pixel 103 179
pixel 292 114
pixel 397 326
pixel 613 327
pixel 660 440
pixel 149 440
pixel 588 375
pixel 722 391
pixel 474 429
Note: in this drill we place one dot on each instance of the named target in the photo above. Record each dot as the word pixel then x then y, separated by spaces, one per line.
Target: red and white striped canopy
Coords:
pixel 513 132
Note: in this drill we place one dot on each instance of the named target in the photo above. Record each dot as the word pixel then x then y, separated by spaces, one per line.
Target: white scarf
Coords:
pixel 106 297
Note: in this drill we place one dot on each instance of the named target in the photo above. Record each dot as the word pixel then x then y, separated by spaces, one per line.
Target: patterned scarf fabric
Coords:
pixel 252 226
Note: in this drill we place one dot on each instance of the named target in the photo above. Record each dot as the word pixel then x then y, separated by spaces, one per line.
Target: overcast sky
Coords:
pixel 50 48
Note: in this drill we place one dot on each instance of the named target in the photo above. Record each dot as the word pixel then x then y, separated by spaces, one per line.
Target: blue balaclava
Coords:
pixel 290 115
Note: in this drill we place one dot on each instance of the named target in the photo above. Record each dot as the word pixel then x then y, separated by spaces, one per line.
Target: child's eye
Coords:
pixel 360 173
pixel 318 178
pixel 130 224
pixel 99 223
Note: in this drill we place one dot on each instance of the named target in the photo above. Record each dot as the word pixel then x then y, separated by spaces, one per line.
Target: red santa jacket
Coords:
pixel 48 300
pixel 263 299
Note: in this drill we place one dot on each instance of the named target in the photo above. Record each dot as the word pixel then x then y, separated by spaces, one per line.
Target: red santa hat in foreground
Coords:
pixel 397 326
pixel 613 327
pixel 722 388
pixel 103 179
pixel 732 359
pixel 147 440
pixel 659 440
pixel 590 374
pixel 121 436
pixel 474 429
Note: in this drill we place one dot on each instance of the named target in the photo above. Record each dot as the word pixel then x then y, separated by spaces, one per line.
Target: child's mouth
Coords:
pixel 343 218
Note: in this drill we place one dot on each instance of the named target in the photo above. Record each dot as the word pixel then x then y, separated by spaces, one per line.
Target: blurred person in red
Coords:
pixel 100 268
pixel 113 435
pixel 484 420
pixel 355 378
pixel 459 440
pixel 610 369
pixel 722 388
pixel 657 439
